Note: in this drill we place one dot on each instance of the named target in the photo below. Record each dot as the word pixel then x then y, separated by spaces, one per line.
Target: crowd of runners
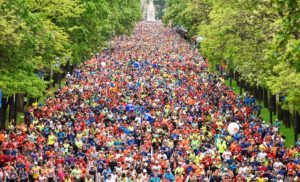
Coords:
pixel 146 110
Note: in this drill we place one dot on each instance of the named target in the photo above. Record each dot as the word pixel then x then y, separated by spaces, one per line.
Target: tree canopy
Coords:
pixel 259 39
pixel 35 34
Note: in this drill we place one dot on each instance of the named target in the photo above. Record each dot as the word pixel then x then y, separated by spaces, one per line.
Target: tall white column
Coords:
pixel 151 11
pixel 144 6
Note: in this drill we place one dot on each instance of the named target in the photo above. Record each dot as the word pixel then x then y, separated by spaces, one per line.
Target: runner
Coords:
pixel 147 110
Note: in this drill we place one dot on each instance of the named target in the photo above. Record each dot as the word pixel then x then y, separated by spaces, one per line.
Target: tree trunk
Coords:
pixel 15 109
pixel 20 102
pixel 51 77
pixel 241 87
pixel 11 104
pixel 245 86
pixel 254 90
pixel 270 104
pixel 297 125
pixel 277 104
pixel 238 82
pixel 266 104
pixel 286 118
pixel 260 93
pixel 297 121
pixel 273 103
pixel 54 79
pixel 3 112
pixel 231 73
pixel 237 78
pixel 279 112
pixel 59 80
pixel 13 113
pixel 248 88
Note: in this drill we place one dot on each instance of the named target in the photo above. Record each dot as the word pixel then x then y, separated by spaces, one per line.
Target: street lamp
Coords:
pixel 57 65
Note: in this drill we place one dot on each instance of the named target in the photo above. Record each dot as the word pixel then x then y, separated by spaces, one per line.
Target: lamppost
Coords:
pixel 57 65
pixel 51 75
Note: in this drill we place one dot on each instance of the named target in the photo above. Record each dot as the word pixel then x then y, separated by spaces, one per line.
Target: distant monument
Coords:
pixel 144 7
pixel 151 11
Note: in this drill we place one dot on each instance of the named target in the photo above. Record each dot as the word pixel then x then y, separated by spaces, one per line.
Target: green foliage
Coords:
pixel 124 15
pixel 21 82
pixel 17 51
pixel 90 30
pixel 239 31
pixel 36 34
pixel 173 12
pixel 259 39
pixel 285 51
pixel 190 13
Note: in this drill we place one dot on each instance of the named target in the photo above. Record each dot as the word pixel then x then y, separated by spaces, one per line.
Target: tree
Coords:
pixel 285 53
pixel 260 39
pixel 38 35
pixel 17 54
pixel 172 15
pixel 191 14
pixel 124 15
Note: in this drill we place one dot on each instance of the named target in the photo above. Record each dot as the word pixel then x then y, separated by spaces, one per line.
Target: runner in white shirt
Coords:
pixel 2 175
pixel 277 165
pixel 111 178
pixel 227 155
pixel 243 170
pixel 143 177
pixel 156 167
pixel 261 156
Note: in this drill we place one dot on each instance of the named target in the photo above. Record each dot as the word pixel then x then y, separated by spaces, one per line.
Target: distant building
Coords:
pixel 151 11
pixel 144 4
